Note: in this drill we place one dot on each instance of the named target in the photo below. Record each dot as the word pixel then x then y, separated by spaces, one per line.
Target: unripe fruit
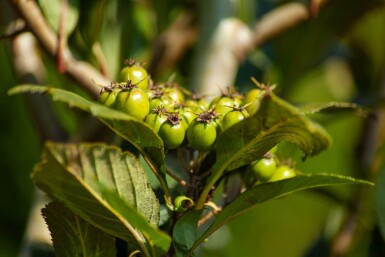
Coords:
pixel 156 118
pixel 175 95
pixel 108 98
pixel 283 172
pixel 134 102
pixel 172 132
pixel 202 135
pixel 222 105
pixel 252 100
pixel 136 74
pixel 232 118
pixel 264 168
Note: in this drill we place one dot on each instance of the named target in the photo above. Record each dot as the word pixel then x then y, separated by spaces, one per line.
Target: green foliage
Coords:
pixel 83 175
pixel 105 187
pixel 275 121
pixel 72 236
pixel 101 193
pixel 136 132
pixel 254 196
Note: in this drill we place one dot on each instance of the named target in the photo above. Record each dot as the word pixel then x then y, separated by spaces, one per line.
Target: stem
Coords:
pixel 198 162
pixel 211 214
pixel 100 57
pixel 161 178
pixel 176 178
pixel 206 190
pixel 182 159
pixel 62 37
pixel 281 19
pixel 81 72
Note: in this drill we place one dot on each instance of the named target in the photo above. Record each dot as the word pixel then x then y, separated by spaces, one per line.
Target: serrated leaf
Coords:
pixel 52 10
pixel 257 195
pixel 332 107
pixel 133 130
pixel 80 175
pixel 73 236
pixel 158 241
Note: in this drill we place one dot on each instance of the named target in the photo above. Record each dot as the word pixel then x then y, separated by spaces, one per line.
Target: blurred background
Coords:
pixel 314 50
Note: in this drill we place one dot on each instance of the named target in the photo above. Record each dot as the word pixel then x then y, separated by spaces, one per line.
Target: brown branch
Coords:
pixel 81 72
pixel 100 58
pixel 211 214
pixel 62 36
pixel 176 178
pixel 282 19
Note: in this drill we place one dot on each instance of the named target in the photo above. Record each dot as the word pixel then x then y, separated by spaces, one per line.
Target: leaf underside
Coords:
pixel 186 245
pixel 131 129
pixel 73 236
pixel 107 188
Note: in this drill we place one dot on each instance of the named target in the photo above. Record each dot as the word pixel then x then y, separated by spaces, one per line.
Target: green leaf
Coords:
pixel 158 241
pixel 276 121
pixel 133 130
pixel 73 236
pixel 260 194
pixel 333 107
pixel 250 139
pixel 52 10
pixel 186 232
pixel 85 176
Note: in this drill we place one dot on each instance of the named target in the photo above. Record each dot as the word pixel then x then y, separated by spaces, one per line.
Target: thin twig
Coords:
pixel 282 19
pixel 62 36
pixel 176 178
pixel 81 72
pixel 211 214
pixel 100 57
pixel 182 159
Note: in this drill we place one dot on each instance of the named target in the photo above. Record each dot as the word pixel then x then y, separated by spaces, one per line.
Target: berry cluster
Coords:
pixel 181 118
pixel 178 116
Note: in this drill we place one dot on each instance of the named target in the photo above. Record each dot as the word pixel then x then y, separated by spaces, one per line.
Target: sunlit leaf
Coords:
pixel 133 130
pixel 255 196
pixel 276 121
pixel 91 178
pixel 333 107
pixel 250 139
pixel 73 236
